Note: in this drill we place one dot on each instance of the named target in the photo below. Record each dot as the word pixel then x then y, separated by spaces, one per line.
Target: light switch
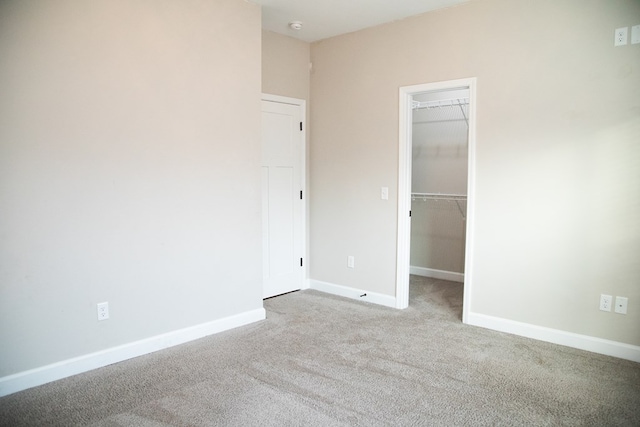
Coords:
pixel 384 193
pixel 635 34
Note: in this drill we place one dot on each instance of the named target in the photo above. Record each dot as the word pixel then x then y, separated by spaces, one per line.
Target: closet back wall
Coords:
pixel 439 165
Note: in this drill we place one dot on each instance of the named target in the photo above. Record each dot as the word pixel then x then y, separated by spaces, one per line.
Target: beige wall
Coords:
pixel 285 66
pixel 129 172
pixel 558 114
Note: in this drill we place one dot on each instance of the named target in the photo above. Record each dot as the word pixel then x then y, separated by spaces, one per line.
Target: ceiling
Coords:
pixel 322 19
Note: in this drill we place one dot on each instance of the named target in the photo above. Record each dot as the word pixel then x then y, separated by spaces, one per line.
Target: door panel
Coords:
pixel 282 165
pixel 281 211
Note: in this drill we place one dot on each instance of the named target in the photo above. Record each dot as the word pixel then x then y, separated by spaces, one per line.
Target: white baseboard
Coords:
pixel 555 336
pixel 66 368
pixel 353 293
pixel 437 274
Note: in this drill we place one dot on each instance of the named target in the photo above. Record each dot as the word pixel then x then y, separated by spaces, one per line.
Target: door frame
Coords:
pixel 403 248
pixel 303 176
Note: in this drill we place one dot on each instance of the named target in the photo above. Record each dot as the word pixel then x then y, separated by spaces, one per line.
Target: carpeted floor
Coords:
pixel 320 360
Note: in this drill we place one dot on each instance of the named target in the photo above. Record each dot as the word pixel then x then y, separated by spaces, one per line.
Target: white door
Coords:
pixel 282 165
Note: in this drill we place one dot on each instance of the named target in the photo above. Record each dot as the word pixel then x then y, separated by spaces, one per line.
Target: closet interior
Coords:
pixel 439 183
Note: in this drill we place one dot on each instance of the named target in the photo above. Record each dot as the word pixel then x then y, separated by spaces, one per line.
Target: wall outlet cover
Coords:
pixel 621 36
pixel 605 302
pixel 103 311
pixel 621 305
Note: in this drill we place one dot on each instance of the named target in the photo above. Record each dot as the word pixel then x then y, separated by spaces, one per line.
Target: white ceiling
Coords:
pixel 322 19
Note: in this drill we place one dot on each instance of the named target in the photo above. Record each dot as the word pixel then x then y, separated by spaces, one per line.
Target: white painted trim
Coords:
pixel 555 336
pixel 66 368
pixel 353 293
pixel 305 170
pixel 404 189
pixel 471 205
pixel 437 274
pixel 306 284
pixel 282 99
pixel 403 249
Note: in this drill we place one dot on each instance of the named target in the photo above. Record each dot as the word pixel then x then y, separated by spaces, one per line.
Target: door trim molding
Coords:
pixel 403 247
pixel 305 206
pixel 283 99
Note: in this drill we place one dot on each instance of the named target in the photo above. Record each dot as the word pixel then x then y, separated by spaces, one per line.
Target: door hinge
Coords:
pixel 409 213
pixel 300 262
pixel 300 194
pixel 300 126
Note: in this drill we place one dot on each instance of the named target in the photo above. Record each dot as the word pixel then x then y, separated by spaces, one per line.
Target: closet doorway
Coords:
pixel 436 182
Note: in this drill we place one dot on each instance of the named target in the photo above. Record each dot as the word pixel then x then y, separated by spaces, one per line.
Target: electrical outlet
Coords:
pixel 621 305
pixel 605 302
pixel 103 311
pixel 635 34
pixel 351 262
pixel 621 36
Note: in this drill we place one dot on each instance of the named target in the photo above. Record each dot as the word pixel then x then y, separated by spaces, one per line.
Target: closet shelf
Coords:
pixel 453 102
pixel 442 196
pixel 438 196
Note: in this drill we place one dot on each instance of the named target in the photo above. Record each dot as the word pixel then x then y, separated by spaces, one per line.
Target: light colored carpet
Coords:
pixel 320 360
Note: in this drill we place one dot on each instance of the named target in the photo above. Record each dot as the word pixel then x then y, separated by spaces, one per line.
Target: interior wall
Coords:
pixel 285 66
pixel 439 159
pixel 558 121
pixel 129 172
